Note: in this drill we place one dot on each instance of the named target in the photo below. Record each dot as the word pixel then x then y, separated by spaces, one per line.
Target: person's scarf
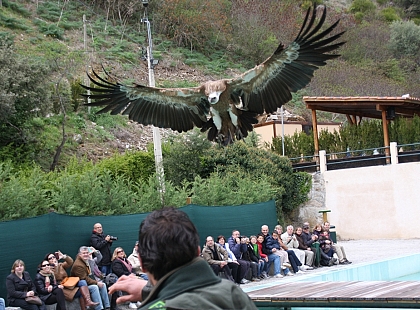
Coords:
pixel 126 263
pixel 48 277
pixel 96 270
pixel 255 248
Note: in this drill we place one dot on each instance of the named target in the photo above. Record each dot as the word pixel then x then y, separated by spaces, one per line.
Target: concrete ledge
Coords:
pixel 73 305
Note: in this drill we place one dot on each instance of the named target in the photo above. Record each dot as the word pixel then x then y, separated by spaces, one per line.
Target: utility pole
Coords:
pixel 87 81
pixel 151 63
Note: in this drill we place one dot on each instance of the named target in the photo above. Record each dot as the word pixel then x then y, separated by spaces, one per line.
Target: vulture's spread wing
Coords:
pixel 269 85
pixel 177 108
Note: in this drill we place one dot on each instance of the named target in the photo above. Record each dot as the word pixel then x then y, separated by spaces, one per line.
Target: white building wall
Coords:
pixel 381 202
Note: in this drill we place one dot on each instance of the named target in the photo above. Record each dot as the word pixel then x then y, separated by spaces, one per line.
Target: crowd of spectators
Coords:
pixel 90 268
pixel 242 259
pixel 238 258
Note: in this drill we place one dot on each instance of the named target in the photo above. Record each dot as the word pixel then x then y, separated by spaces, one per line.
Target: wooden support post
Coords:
pixel 386 136
pixel 324 215
pixel 315 131
pixel 188 200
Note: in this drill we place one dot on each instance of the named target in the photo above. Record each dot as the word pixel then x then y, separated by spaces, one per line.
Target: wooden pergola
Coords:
pixel 355 108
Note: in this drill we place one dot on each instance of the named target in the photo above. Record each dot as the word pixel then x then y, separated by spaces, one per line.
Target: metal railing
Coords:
pixel 358 158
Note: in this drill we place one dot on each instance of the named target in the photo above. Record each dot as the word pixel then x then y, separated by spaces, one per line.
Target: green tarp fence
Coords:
pixel 30 239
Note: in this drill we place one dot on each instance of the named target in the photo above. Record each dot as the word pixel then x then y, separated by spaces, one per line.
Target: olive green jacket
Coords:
pixel 195 286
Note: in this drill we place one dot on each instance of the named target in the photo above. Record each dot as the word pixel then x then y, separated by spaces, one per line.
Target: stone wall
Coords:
pixel 309 211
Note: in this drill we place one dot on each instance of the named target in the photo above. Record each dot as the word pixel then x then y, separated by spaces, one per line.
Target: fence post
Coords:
pixel 322 161
pixel 394 153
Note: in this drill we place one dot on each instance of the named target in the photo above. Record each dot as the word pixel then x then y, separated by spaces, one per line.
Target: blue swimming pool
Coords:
pixel 404 268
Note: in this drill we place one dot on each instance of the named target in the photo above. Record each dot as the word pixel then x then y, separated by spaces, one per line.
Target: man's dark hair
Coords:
pixel 167 240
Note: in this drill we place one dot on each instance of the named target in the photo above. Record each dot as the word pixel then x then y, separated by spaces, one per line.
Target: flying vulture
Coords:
pixel 227 108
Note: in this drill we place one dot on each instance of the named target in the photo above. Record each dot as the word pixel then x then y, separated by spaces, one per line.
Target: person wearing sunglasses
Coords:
pixel 122 267
pixel 47 287
pixel 81 291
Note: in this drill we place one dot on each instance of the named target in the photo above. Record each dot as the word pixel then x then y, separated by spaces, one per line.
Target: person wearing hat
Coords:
pixel 133 258
pixel 311 240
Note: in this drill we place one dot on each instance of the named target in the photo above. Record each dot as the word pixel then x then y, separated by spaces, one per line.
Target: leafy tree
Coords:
pixel 24 94
pixel 183 156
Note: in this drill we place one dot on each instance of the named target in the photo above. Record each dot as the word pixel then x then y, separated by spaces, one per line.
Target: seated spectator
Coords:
pixel 311 240
pixel 216 256
pixel 122 267
pixel 339 249
pixel 253 260
pixel 283 253
pixel 233 264
pixel 133 258
pixel 81 269
pixel 47 288
pixel 262 263
pixel 19 285
pixel 264 257
pixel 95 258
pixel 327 249
pixel 290 240
pixel 81 291
pixel 317 230
pixel 309 255
pixel 269 250
pixel 294 261
pixel 238 246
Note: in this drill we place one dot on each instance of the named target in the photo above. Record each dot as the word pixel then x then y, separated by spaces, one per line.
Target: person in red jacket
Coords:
pixel 264 257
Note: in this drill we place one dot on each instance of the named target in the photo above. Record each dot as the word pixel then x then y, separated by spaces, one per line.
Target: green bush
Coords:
pixel 390 14
pixel 16 7
pixel 135 166
pixel 23 193
pixel 362 6
pixel 405 38
pixel 51 30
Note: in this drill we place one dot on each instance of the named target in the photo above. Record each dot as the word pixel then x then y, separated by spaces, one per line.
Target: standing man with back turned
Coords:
pixel 169 253
pixel 102 243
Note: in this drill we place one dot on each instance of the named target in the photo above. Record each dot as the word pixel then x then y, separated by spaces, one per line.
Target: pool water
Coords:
pixel 404 268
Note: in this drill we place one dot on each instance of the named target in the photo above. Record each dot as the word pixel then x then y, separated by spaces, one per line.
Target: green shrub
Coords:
pixel 392 70
pixel 135 166
pixel 16 7
pixel 23 193
pixel 362 6
pixel 390 14
pixel 51 30
pixel 405 38
pixel 244 188
pixel 12 23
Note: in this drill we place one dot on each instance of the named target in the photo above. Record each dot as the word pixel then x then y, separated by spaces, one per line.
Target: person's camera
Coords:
pixel 113 238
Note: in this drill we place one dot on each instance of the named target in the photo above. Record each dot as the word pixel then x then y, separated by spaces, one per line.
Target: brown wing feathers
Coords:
pixel 291 69
pixel 147 105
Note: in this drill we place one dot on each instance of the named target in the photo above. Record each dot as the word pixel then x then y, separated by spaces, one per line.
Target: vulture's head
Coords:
pixel 214 89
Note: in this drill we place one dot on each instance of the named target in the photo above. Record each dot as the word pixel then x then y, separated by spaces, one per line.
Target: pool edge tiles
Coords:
pixel 382 270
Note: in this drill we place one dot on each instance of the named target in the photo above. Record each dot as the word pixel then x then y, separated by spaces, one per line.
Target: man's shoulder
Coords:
pixel 222 295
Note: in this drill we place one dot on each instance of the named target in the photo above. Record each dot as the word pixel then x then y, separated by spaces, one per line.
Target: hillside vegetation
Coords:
pixel 46 47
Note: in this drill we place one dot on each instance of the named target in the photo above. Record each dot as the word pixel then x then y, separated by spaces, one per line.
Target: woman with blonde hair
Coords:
pixel 19 286
pixel 122 267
